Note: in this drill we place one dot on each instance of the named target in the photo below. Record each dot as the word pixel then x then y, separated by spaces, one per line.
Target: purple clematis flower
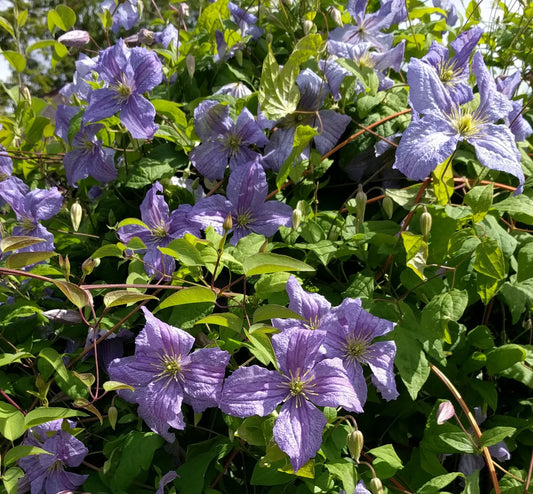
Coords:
pixel 158 228
pixel 128 73
pixel 165 375
pixel 225 141
pixel 519 126
pixel 313 307
pixel 304 381
pixel 246 21
pixel 247 190
pixel 330 124
pixel 451 71
pixel 79 85
pixel 350 331
pixel 123 12
pixel 45 473
pixel 430 140
pixel 452 17
pixel 31 207
pixel 368 28
pixel 169 35
pixel 87 157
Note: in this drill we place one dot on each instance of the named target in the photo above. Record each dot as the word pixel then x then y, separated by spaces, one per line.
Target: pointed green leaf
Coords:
pixel 495 435
pixel 416 250
pixel 122 297
pixel 114 385
pixel 9 358
pixel 86 378
pixel 503 357
pixel 19 452
pixel 227 320
pixel 15 59
pixel 489 259
pixel 480 200
pixel 271 311
pixel 111 250
pixel 39 45
pixel 78 296
pixel 6 25
pixel 443 184
pixel 268 262
pixel 55 360
pixel 41 415
pixel 17 261
pixel 193 295
pixel 11 421
pixel 14 243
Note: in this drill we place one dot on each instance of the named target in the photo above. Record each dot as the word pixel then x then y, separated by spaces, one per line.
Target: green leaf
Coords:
pixel 212 16
pixel 278 92
pixel 480 200
pixel 171 110
pixel 416 250
pixel 435 485
pixel 11 421
pixel 481 337
pixel 6 26
pixel 307 47
pixel 525 263
pixel 78 296
pixel 442 309
pixel 63 17
pixel 443 184
pixel 270 311
pixel 86 378
pixel 9 358
pixel 15 59
pixel 19 452
pixel 111 250
pixel 184 251
pixel 39 45
pixel 489 259
pixel 114 385
pixel 411 362
pixel 227 320
pixel 41 415
pixel 22 17
pixel 344 470
pixel 11 479
pixel 17 261
pixel 386 462
pixel 260 345
pixel 55 360
pixel 193 295
pixel 123 297
pixel 267 262
pixel 458 442
pixel 519 207
pixel 503 357
pixel 495 435
pixel 34 132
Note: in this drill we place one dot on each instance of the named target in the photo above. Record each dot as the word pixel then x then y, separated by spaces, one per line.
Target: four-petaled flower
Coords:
pixel 46 472
pixel 128 73
pixel 350 334
pixel 305 380
pixel 225 141
pixel 247 190
pixel 164 375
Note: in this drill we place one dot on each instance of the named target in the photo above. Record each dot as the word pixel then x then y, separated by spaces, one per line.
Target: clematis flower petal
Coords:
pixel 138 117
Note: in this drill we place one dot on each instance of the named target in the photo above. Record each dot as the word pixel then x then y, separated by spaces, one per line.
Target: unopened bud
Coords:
pixel 76 214
pixel 296 218
pixel 360 204
pixel 190 63
pixel 64 265
pixel 228 223
pixel 264 247
pixel 445 412
pixel 388 206
pixel 376 487
pixel 183 9
pixel 111 218
pixel 425 224
pixel 307 26
pixel 336 15
pixel 27 95
pixel 269 38
pixel 75 38
pixel 355 444
pixel 112 416
pixel 238 57
pixel 88 265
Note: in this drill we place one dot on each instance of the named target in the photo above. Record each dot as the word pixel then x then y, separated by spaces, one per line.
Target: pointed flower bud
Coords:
pixel 238 57
pixel 388 206
pixel 360 204
pixel 264 246
pixel 296 218
pixel 425 224
pixel 190 63
pixel 355 444
pixel 445 412
pixel 307 26
pixel 64 265
pixel 336 15
pixel 75 38
pixel 376 487
pixel 76 214
pixel 112 416
pixel 88 265
pixel 27 95
pixel 228 223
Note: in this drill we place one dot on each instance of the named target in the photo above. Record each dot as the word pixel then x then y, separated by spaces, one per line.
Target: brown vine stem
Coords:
pixel 473 423
pixel 228 462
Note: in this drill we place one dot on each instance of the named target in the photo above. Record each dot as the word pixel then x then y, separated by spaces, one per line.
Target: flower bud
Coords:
pixel 112 416
pixel 376 487
pixel 355 444
pixel 88 265
pixel 336 15
pixel 75 38
pixel 238 57
pixel 64 265
pixel 445 412
pixel 183 10
pixel 360 204
pixel 190 63
pixel 76 214
pixel 27 95
pixel 388 206
pixel 264 246
pixel 228 223
pixel 296 218
pixel 425 224
pixel 269 38
pixel 307 26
